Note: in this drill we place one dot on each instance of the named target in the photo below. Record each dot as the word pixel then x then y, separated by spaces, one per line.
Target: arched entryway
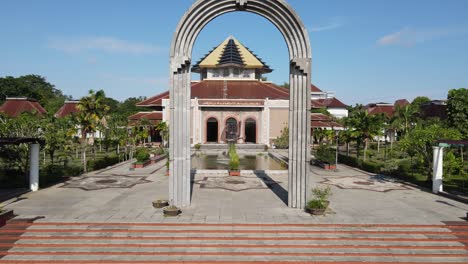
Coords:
pixel 212 130
pixel 231 130
pixel 296 36
pixel 250 131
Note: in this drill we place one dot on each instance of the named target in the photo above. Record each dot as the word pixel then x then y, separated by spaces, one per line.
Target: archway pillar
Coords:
pixel 179 140
pixel 280 14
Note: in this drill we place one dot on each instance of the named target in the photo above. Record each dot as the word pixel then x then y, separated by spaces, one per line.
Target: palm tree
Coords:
pixel 365 127
pixel 92 112
pixel 163 129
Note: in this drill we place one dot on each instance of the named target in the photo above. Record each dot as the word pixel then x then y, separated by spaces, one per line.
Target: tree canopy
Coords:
pixel 457 110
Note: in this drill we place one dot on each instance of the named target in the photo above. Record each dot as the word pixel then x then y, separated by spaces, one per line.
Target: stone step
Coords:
pixel 61 242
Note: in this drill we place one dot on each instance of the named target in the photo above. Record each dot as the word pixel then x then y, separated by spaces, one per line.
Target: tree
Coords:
pixel 420 140
pixel 418 102
pixel 56 135
pixel 92 111
pixel 33 86
pixel 285 85
pixel 457 110
pixel 403 119
pixel 365 127
pixel 163 129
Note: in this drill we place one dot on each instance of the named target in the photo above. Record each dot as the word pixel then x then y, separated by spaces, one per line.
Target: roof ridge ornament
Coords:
pixel 241 4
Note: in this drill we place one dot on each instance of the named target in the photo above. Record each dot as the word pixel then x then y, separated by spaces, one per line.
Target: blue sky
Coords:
pixel 364 50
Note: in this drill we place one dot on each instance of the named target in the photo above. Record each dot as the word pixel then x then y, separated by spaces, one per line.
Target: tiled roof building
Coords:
pixel 15 106
pixel 231 100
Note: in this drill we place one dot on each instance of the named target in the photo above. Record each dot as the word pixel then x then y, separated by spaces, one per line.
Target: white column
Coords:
pixel 437 169
pixel 34 167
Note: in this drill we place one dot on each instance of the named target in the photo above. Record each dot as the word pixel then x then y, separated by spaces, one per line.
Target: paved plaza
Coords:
pixel 107 217
pixel 121 194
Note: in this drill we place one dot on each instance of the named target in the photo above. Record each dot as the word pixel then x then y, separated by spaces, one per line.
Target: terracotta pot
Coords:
pixel 234 173
pixel 160 203
pixel 171 211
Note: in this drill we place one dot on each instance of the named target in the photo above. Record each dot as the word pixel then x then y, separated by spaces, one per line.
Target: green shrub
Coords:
pixel 404 167
pixel 282 142
pixel 197 146
pixel 234 162
pixel 158 151
pixel 105 162
pixel 316 204
pixel 326 154
pixel 348 160
pixel 320 198
pixel 142 155
pixel 370 166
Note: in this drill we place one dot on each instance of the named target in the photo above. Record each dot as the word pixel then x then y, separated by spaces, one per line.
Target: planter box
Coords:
pixel 327 166
pixel 234 173
pixel 5 216
pixel 141 165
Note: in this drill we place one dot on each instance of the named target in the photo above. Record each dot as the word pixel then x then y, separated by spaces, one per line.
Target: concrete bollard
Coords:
pixel 437 169
pixel 34 167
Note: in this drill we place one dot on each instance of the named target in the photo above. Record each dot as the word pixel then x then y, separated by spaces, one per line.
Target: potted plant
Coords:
pixel 319 204
pixel 233 161
pixel 160 203
pixel 5 215
pixel 171 210
pixel 326 157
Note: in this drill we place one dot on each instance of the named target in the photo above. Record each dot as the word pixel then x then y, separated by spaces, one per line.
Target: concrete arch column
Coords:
pixel 281 15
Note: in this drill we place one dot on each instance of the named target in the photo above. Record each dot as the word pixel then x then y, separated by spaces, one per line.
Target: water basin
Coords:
pixel 201 161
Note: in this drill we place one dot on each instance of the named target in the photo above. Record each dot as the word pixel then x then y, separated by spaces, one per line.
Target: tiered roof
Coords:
pixel 14 107
pixel 231 53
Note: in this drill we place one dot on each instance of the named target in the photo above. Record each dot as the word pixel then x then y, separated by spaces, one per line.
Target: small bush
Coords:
pixel 326 154
pixel 105 162
pixel 197 146
pixel 316 204
pixel 158 151
pixel 142 155
pixel 370 166
pixel 348 160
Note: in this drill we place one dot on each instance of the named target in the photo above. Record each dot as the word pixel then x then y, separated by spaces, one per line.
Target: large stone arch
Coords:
pixel 280 14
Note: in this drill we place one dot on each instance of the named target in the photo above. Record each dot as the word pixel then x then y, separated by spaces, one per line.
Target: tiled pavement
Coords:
pixel 118 225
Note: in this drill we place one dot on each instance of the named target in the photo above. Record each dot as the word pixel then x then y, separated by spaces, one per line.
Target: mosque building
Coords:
pixel 231 102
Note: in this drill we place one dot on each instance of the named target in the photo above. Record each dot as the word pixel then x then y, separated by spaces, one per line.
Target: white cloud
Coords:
pixel 105 44
pixel 409 37
pixel 335 22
